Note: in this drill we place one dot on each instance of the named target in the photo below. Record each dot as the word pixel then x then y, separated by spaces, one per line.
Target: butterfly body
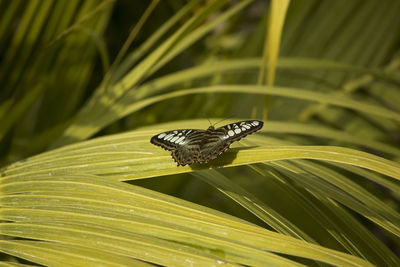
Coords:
pixel 189 146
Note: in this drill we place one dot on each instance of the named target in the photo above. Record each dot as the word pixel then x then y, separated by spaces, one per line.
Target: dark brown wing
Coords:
pixel 183 144
pixel 217 141
pixel 238 130
pixel 189 146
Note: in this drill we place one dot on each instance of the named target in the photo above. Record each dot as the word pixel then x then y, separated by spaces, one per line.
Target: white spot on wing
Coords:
pixel 231 133
pixel 237 130
pixel 174 139
pixel 255 123
pixel 179 141
pixel 247 126
pixel 168 137
pixel 161 135
pixel 175 132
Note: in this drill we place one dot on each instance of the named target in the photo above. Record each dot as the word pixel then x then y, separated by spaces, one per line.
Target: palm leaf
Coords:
pixel 317 185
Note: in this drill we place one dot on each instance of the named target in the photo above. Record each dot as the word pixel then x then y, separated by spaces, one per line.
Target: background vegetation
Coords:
pixel 86 83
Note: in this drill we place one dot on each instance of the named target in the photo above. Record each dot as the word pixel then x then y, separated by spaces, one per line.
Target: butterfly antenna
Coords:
pixel 209 122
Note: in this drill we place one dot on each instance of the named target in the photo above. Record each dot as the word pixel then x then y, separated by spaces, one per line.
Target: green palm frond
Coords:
pixel 81 184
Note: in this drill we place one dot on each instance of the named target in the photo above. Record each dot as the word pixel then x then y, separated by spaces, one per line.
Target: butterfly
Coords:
pixel 189 146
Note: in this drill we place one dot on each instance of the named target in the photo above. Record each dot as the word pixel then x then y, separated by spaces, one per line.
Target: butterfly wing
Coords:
pixel 238 130
pixel 189 146
pixel 183 144
pixel 217 141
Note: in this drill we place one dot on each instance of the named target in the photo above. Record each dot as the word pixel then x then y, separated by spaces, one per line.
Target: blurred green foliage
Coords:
pixel 324 173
